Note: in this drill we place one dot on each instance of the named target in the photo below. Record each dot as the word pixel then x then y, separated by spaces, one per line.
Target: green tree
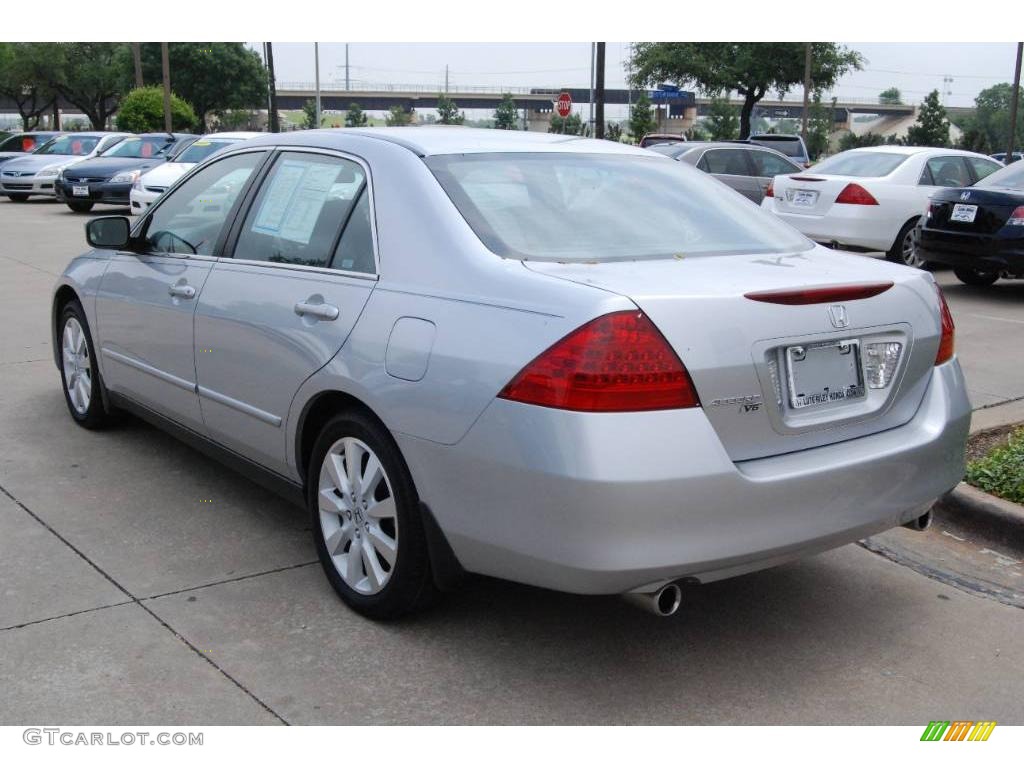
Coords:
pixel 852 140
pixel 820 123
pixel 398 115
pixel 212 77
pixel 890 96
pixel 750 69
pixel 506 116
pixel 723 123
pixel 641 117
pixel 992 117
pixel 90 76
pixel 697 132
pixel 355 117
pixel 571 125
pixel 25 80
pixel 236 120
pixel 447 111
pixel 613 131
pixel 932 126
pixel 309 114
pixel 142 111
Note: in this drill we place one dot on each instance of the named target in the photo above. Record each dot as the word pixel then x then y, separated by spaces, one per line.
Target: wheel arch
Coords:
pixel 63 296
pixel 912 220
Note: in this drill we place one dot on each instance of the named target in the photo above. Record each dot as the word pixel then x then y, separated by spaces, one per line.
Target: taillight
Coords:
pixel 770 192
pixel 855 194
pixel 617 362
pixel 1016 218
pixel 948 330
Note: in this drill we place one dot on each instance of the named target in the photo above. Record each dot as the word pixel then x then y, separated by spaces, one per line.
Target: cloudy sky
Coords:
pixel 915 68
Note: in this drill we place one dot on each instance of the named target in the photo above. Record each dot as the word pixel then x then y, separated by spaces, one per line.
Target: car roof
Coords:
pixel 896 149
pixel 451 140
pixel 232 135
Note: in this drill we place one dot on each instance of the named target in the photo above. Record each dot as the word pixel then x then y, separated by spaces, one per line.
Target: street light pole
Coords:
pixel 316 59
pixel 1013 104
pixel 590 118
pixel 165 63
pixel 346 67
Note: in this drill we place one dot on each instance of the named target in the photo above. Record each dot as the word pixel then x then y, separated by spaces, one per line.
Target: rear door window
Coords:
pixel 729 162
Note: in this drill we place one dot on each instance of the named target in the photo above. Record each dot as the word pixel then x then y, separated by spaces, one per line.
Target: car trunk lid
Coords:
pixel 810 194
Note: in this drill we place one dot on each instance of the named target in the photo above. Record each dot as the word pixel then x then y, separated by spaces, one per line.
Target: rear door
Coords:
pixel 768 165
pixel 303 267
pixel 731 166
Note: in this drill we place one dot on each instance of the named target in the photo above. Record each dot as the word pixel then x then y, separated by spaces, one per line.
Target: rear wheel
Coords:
pixel 79 207
pixel 904 250
pixel 18 198
pixel 975 277
pixel 366 519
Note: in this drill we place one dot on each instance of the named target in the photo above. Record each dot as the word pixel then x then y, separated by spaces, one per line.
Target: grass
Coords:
pixel 1001 471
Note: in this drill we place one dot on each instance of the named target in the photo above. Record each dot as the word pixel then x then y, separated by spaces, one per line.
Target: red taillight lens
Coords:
pixel 770 192
pixel 855 194
pixel 618 362
pixel 1017 217
pixel 948 330
pixel 822 295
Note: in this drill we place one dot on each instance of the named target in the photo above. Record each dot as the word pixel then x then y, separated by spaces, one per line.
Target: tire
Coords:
pixel 79 207
pixel 975 277
pixel 904 250
pixel 81 380
pixel 17 198
pixel 344 523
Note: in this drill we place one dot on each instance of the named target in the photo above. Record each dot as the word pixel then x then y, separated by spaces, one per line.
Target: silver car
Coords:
pixel 747 168
pixel 560 361
pixel 36 173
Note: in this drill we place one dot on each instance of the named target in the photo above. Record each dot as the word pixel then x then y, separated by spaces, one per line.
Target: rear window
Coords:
pixel 866 164
pixel 787 145
pixel 650 141
pixel 598 207
pixel 1010 177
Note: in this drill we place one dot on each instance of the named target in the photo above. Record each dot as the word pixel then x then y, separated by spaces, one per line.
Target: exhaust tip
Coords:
pixel 662 602
pixel 922 523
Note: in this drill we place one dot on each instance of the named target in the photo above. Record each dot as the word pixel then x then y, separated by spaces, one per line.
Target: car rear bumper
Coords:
pixel 611 503
pixel 28 186
pixel 852 226
pixel 987 253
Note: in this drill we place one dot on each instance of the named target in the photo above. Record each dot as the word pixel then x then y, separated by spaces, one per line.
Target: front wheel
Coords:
pixel 366 519
pixel 975 277
pixel 78 371
pixel 79 207
pixel 904 250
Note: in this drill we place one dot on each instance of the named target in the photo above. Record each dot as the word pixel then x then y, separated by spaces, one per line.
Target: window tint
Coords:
pixel 728 161
pixel 300 209
pixel 191 218
pixel 767 164
pixel 355 249
pixel 949 172
pixel 864 164
pixel 983 168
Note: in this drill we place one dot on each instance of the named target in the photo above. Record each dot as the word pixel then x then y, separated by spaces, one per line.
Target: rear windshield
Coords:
pixel 861 164
pixel 787 145
pixel 135 146
pixel 650 141
pixel 201 149
pixel 74 144
pixel 597 207
pixel 1010 177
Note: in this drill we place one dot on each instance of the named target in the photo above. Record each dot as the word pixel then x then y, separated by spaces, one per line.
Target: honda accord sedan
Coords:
pixel 561 361
pixel 37 172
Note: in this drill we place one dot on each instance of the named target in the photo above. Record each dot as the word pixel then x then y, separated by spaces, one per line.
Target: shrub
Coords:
pixel 1001 472
pixel 142 111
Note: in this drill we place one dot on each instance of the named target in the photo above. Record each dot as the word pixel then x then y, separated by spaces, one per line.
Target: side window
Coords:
pixel 731 162
pixel 982 167
pixel 949 172
pixel 300 209
pixel 355 248
pixel 767 164
pixel 191 218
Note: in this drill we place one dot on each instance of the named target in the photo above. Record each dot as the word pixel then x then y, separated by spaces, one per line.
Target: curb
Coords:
pixel 1003 519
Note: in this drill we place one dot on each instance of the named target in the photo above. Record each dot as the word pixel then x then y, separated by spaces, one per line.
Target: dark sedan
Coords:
pixel 108 178
pixel 979 230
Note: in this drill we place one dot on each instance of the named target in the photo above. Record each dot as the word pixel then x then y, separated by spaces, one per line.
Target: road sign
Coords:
pixel 564 104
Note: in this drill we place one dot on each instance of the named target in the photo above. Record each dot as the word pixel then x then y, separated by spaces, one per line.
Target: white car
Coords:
pixel 870 199
pixel 150 186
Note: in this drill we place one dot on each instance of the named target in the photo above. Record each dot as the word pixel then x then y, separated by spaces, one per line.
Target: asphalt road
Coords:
pixel 125 598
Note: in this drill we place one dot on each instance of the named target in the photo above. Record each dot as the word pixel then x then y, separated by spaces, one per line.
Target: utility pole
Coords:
pixel 274 122
pixel 1013 104
pixel 590 116
pixel 346 67
pixel 137 58
pixel 599 93
pixel 807 89
pixel 316 60
pixel 165 63
pixel 446 78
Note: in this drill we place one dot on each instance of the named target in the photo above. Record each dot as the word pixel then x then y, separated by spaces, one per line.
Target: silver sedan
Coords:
pixel 555 360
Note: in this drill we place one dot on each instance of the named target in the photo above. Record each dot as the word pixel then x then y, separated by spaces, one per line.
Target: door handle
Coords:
pixel 182 291
pixel 321 311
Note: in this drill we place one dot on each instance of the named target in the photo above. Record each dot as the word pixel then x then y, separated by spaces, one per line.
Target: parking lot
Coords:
pixel 142 583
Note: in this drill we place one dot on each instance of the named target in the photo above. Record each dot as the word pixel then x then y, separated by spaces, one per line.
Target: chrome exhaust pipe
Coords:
pixel 922 523
pixel 661 602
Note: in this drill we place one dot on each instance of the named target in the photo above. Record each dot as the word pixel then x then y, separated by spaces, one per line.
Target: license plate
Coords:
pixel 803 198
pixel 80 191
pixel 964 213
pixel 819 374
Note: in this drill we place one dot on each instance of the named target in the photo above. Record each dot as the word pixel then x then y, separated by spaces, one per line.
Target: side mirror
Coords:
pixel 111 232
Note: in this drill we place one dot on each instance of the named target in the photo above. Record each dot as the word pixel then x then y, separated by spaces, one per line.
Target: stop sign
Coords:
pixel 564 104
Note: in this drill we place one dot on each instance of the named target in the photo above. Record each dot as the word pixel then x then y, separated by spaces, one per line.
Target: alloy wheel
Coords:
pixel 909 251
pixel 77 366
pixel 358 516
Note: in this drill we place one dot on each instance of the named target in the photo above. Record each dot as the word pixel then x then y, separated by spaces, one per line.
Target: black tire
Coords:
pixel 80 207
pixel 17 198
pixel 975 277
pixel 95 416
pixel 897 254
pixel 409 586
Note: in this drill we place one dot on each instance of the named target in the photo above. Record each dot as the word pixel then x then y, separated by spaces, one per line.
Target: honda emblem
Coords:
pixel 837 314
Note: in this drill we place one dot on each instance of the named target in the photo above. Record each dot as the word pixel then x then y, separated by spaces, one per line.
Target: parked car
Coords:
pixel 22 143
pixel 979 230
pixel 36 173
pixel 651 139
pixel 1001 157
pixel 791 146
pixel 747 168
pixel 558 361
pixel 109 178
pixel 150 185
pixel 870 199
